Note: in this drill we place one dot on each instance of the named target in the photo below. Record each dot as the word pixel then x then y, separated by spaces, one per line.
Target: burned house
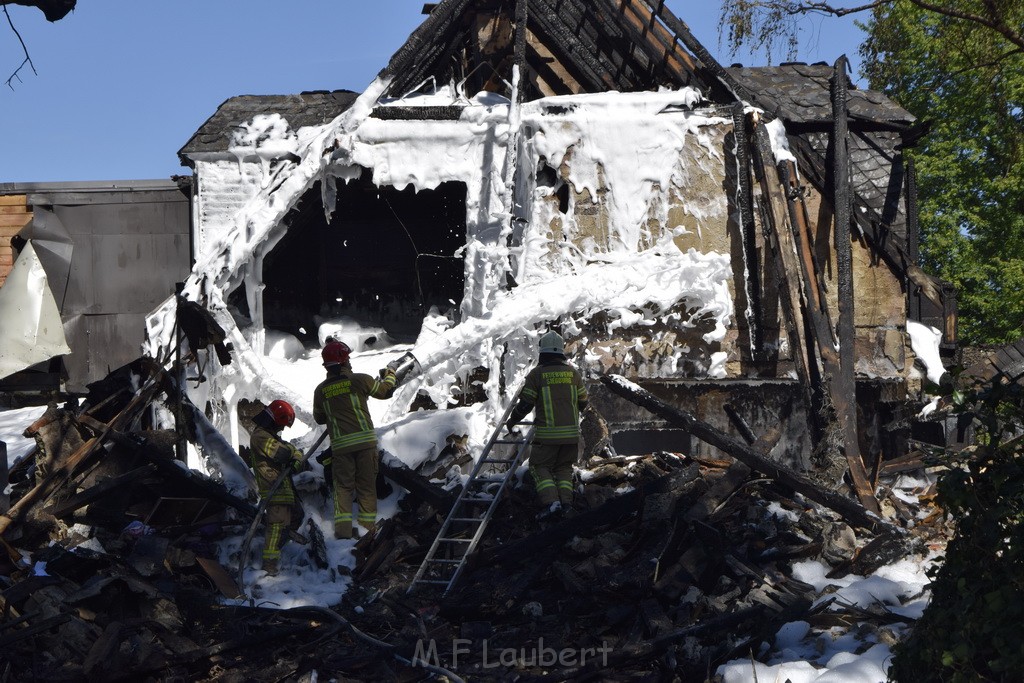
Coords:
pixel 730 253
pixel 739 241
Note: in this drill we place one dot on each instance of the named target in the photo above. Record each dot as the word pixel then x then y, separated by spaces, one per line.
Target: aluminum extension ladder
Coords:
pixel 473 509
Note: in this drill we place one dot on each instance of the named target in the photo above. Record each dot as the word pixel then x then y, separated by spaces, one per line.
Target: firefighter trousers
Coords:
pixel 355 472
pixel 551 468
pixel 279 518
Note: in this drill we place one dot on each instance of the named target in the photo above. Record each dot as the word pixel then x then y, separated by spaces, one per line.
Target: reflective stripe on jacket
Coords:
pixel 270 456
pixel 557 392
pixel 340 403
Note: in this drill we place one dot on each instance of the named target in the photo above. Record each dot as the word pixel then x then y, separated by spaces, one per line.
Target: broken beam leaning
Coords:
pixel 849 510
pixel 798 265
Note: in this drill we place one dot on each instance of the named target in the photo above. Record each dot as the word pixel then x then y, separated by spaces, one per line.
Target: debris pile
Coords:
pixel 667 565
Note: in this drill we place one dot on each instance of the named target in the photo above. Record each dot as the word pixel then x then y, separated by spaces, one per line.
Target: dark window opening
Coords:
pixel 386 257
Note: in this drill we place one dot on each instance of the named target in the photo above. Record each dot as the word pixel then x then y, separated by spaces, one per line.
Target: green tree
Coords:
pixel 971 628
pixel 960 65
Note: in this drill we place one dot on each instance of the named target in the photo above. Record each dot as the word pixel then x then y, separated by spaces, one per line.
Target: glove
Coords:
pixel 389 375
pixel 324 458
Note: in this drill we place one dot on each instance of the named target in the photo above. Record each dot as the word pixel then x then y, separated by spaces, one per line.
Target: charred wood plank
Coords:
pixel 82 455
pixel 800 271
pixel 848 509
pixel 102 658
pixel 787 270
pixel 907 463
pixel 39 627
pixel 100 490
pixel 220 577
pixel 580 58
pixel 745 198
pixel 409 56
pixel 842 383
pixel 417 485
pixel 139 445
pixel 5 497
pixel 719 492
pixel 643 29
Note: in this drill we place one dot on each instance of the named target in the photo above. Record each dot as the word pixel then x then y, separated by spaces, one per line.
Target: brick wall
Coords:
pixel 14 215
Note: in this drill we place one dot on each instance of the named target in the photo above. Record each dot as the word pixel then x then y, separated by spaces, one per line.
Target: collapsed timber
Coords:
pixel 667 565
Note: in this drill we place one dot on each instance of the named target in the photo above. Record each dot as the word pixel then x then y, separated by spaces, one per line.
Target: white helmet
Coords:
pixel 551 342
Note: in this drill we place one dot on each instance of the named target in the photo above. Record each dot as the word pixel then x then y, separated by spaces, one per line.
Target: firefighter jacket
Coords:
pixel 556 392
pixel 270 456
pixel 340 403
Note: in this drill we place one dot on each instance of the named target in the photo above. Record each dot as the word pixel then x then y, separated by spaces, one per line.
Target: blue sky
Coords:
pixel 123 84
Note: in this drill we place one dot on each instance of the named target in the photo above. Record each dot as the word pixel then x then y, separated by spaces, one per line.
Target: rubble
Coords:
pixel 667 567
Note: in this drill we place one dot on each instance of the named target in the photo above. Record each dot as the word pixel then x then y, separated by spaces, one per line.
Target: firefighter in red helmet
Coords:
pixel 340 402
pixel 270 456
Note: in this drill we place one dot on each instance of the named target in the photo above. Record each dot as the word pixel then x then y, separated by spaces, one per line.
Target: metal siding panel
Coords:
pixel 125 218
pixel 105 342
pixel 77 362
pixel 79 297
pixel 134 273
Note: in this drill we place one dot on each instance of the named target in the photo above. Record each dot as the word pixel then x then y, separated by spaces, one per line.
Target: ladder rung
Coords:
pixel 441 583
pixel 456 540
pixel 445 561
pixel 477 499
pixel 465 519
pixel 498 460
pixel 509 441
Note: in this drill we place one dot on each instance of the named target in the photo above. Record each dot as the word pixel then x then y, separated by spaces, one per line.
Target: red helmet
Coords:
pixel 281 412
pixel 335 352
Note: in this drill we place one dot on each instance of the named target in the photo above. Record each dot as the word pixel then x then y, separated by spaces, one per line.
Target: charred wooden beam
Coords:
pixel 409 56
pixel 913 212
pixel 139 446
pixel 837 366
pixel 800 271
pixel 419 486
pixel 642 27
pixel 519 47
pixel 852 512
pixel 748 229
pixel 706 65
pixel 81 456
pixel 100 490
pixel 592 72
pixel 5 497
pixel 39 627
pixel 787 270
pixel 843 383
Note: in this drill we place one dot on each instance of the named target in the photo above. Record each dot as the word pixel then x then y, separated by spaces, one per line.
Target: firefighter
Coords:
pixel 270 456
pixel 555 390
pixel 340 403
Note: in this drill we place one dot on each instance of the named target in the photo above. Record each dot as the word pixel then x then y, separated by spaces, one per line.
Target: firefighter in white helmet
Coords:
pixel 554 389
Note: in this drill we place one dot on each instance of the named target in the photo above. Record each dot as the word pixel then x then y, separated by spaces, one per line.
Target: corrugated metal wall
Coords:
pixel 129 244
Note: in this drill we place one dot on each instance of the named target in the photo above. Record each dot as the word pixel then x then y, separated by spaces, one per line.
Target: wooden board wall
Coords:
pixel 14 215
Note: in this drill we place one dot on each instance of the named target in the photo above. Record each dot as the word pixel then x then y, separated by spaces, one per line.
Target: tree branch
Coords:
pixel 995 22
pixel 27 60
